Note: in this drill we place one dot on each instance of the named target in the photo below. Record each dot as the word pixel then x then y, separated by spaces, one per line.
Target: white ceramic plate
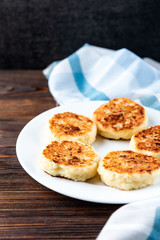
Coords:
pixel 33 138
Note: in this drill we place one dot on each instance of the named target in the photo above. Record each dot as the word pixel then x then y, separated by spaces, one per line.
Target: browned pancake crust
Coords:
pixel 70 153
pixel 70 124
pixel 120 114
pixel 130 162
pixel 148 139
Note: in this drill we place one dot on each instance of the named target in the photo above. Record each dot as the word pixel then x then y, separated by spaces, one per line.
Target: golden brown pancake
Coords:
pixel 71 126
pixel 147 141
pixel 69 159
pixel 120 118
pixel 127 170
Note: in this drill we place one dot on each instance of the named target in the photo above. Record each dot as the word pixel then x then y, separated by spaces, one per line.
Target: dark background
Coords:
pixel 33 33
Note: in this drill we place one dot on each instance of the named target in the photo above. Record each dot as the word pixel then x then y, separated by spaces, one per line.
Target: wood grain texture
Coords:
pixel 27 209
pixel 35 32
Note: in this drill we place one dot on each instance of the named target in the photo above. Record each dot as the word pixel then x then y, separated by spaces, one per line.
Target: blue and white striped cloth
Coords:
pixel 94 73
pixel 135 221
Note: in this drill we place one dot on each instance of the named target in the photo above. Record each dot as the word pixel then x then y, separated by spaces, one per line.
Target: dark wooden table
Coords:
pixel 28 210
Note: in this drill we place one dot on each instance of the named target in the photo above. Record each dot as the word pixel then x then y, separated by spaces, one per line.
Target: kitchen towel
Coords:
pixel 94 73
pixel 134 221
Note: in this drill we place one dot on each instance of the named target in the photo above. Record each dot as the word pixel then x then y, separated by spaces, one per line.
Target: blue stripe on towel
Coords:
pixel 155 233
pixel 151 101
pixel 84 87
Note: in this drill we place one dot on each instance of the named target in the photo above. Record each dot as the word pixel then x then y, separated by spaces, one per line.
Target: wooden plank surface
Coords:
pixel 27 209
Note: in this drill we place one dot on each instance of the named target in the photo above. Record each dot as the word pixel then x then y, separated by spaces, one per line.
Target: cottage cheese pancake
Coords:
pixel 128 170
pixel 71 126
pixel 120 118
pixel 69 159
pixel 147 142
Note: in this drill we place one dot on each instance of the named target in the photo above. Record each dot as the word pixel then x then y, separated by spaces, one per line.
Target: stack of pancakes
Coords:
pixel 71 156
